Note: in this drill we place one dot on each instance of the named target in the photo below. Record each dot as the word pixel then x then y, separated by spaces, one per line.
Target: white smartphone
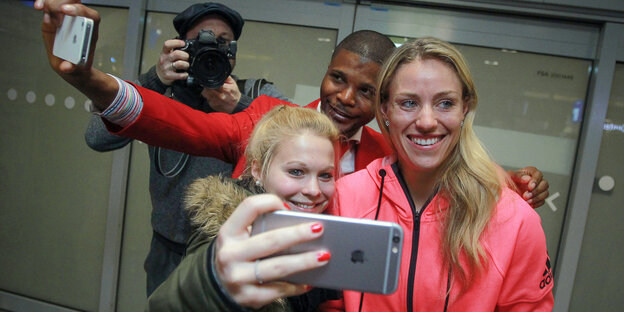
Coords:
pixel 73 39
pixel 365 254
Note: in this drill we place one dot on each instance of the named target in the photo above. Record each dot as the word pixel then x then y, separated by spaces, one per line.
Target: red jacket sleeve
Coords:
pixel 167 123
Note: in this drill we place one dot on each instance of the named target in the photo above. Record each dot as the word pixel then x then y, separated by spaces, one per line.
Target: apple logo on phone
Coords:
pixel 357 256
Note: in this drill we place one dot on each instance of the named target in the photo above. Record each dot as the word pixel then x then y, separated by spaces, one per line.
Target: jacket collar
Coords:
pixel 394 194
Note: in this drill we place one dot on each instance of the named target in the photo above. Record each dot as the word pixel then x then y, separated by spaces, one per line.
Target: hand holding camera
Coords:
pixel 202 64
pixel 225 98
pixel 172 62
pixel 206 60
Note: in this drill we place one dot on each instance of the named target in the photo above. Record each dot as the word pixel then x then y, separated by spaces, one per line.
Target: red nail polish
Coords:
pixel 308 287
pixel 286 205
pixel 323 256
pixel 317 227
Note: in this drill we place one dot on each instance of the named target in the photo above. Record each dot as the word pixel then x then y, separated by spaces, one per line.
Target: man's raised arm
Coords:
pixel 96 85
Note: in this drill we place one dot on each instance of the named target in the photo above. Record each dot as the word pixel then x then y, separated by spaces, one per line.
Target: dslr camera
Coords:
pixel 209 59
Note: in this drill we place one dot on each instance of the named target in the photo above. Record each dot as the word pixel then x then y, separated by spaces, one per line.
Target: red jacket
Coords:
pixel 517 276
pixel 166 123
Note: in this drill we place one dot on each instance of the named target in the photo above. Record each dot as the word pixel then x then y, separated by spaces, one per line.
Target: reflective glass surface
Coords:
pixel 53 188
pixel 600 272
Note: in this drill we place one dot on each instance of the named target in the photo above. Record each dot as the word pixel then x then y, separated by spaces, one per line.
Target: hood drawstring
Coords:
pixel 382 174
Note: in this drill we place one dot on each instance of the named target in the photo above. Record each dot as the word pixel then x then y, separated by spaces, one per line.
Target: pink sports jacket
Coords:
pixel 516 277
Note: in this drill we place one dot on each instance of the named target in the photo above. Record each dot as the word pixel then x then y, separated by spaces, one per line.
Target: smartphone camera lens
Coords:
pixel 396 239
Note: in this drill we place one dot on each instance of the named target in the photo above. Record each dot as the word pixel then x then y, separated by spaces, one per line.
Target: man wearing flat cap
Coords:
pixel 170 171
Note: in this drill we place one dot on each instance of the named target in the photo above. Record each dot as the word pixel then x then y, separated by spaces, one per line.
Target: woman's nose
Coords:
pixel 312 188
pixel 426 119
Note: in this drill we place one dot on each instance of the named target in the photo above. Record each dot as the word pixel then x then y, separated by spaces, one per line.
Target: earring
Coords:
pixel 258 183
pixel 461 125
pixel 387 123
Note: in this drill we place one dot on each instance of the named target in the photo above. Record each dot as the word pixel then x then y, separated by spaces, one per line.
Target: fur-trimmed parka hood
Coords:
pixel 211 200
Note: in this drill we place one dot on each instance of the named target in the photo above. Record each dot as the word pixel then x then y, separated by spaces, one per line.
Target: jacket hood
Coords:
pixel 211 200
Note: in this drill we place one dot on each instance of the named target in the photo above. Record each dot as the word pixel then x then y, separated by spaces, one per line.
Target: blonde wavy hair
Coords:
pixel 284 122
pixel 468 176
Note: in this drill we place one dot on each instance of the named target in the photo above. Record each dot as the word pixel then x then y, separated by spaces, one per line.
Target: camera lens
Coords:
pixel 396 239
pixel 211 68
pixel 210 60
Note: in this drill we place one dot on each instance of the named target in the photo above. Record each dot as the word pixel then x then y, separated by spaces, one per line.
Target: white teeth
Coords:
pixel 304 206
pixel 426 142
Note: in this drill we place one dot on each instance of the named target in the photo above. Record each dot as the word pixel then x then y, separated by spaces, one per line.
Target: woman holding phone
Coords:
pixel 291 155
pixel 470 242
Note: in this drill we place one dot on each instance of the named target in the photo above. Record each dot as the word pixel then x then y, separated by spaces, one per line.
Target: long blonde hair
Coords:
pixel 468 176
pixel 284 122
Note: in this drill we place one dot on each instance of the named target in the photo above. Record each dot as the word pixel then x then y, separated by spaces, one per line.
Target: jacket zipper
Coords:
pixel 415 234
pixel 413 258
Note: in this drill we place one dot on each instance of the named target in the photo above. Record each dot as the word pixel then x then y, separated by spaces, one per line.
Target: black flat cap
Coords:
pixel 187 19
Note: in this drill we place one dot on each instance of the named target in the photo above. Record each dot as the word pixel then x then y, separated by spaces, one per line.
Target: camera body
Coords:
pixel 209 59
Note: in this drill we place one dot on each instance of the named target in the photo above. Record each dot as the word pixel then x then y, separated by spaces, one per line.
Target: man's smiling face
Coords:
pixel 348 90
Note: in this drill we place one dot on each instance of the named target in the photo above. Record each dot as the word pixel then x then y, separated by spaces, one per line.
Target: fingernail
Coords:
pixel 67 8
pixel 286 206
pixel 308 287
pixel 317 227
pixel 323 256
pixel 532 185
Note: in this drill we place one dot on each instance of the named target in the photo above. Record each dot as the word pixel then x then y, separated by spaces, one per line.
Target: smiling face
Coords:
pixel 425 109
pixel 301 172
pixel 348 90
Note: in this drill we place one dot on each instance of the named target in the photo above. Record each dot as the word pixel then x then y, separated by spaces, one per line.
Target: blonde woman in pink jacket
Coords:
pixel 471 244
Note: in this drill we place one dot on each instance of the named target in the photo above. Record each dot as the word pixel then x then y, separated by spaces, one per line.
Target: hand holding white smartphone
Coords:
pixel 73 39
pixel 365 254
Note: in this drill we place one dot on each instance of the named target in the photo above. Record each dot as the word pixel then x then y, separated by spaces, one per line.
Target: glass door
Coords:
pixel 600 273
pixel 532 78
pixel 53 188
pixel 288 43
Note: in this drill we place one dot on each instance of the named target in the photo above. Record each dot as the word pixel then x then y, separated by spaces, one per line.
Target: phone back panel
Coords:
pixel 365 254
pixel 73 39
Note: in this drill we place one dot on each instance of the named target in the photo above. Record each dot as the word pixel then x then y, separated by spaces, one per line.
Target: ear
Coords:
pixel 383 108
pixel 467 102
pixel 256 170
